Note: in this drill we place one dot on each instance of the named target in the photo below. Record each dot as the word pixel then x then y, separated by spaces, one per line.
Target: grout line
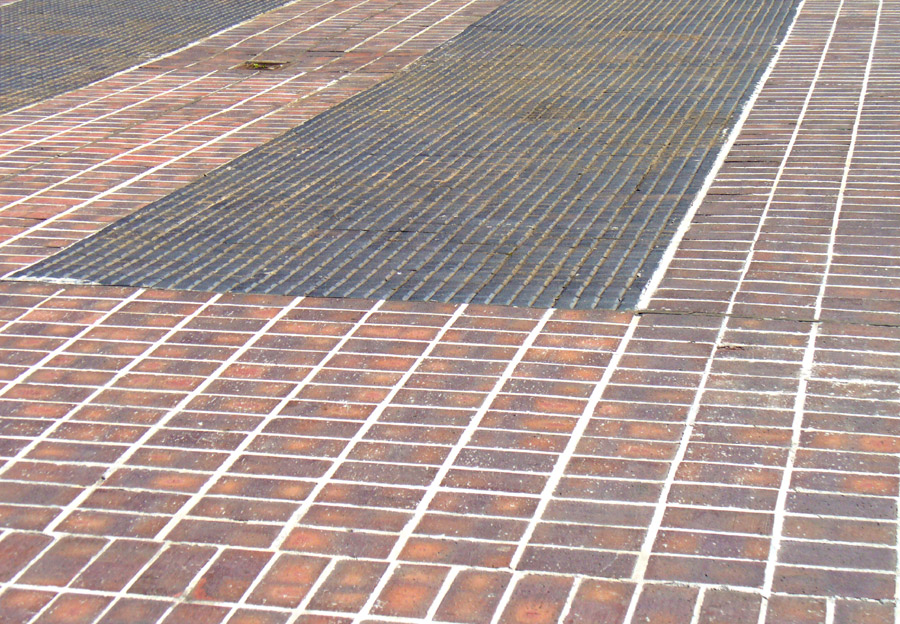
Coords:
pixel 436 374
pixel 570 599
pixel 300 610
pixel 643 559
pixel 574 439
pixel 506 596
pixel 92 560
pixel 513 519
pixel 781 501
pixel 829 610
pixel 184 596
pixel 483 334
pixel 382 619
pixel 698 606
pixel 612 478
pixel 40 612
pixel 334 560
pixel 442 592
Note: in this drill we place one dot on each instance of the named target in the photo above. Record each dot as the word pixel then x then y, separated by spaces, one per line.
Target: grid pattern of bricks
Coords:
pixel 727 455
pixel 52 46
pixel 543 158
pixel 72 164
pixel 796 252
pixel 244 441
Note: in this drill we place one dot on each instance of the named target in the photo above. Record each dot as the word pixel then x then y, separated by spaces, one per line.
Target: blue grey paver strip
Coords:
pixel 48 47
pixel 544 157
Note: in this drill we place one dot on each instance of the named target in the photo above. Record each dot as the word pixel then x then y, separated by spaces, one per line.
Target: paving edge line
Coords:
pixel 667 257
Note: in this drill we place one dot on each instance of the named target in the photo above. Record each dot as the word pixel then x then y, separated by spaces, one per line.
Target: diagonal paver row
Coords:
pixel 729 453
pixel 542 158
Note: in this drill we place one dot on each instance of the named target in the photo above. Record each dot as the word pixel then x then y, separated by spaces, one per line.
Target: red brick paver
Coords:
pixel 727 454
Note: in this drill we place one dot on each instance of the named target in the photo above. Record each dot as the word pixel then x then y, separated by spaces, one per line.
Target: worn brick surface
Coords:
pixel 728 454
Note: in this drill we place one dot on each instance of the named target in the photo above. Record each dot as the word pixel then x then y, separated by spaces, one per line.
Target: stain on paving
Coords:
pixel 544 157
pixel 49 47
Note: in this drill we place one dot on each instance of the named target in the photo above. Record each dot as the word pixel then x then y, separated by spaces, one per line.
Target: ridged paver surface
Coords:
pixel 51 46
pixel 543 158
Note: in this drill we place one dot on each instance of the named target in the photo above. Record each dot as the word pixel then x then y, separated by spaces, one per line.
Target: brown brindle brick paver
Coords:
pixel 726 454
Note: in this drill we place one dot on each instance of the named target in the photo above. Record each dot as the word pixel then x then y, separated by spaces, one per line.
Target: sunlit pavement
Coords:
pixel 727 453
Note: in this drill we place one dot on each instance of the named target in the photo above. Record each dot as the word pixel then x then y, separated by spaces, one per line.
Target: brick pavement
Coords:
pixel 53 46
pixel 728 453
pixel 72 164
pixel 543 158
